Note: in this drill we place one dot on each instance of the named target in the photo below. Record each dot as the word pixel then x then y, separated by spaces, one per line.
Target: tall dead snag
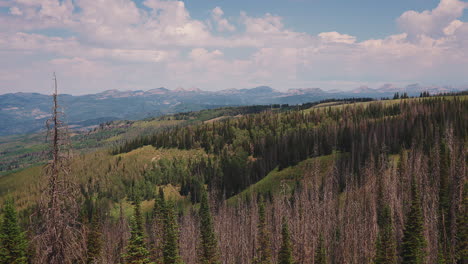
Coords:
pixel 59 234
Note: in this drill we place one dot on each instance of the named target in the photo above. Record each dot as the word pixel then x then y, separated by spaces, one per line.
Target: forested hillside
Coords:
pixel 333 182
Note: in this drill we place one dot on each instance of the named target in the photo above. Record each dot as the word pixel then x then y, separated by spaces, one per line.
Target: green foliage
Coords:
pixel 321 252
pixel 12 240
pixel 158 216
pixel 265 153
pixel 94 242
pixel 285 255
pixel 462 234
pixel 386 241
pixel 137 253
pixel 208 250
pixel 414 243
pixel 171 236
pixel 263 255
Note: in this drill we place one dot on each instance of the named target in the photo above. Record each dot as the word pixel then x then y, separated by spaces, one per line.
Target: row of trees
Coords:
pixel 162 246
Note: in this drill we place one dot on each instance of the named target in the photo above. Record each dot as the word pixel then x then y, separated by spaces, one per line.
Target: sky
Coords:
pixel 97 45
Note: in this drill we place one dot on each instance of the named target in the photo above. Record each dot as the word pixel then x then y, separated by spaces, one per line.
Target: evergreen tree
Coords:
pixel 444 204
pixel 158 217
pixel 321 252
pixel 386 243
pixel 285 254
pixel 462 232
pixel 94 242
pixel 12 240
pixel 263 251
pixel 208 251
pixel 137 253
pixel 171 236
pixel 414 243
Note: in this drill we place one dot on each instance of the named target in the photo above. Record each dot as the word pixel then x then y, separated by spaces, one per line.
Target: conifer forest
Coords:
pixel 352 180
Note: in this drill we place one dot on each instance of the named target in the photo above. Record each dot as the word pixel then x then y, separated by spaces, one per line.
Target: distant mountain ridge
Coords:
pixel 26 112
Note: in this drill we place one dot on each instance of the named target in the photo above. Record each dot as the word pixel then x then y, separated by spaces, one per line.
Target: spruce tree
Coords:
pixel 461 253
pixel 263 251
pixel 158 217
pixel 94 241
pixel 171 236
pixel 285 254
pixel 137 253
pixel 444 204
pixel 386 242
pixel 321 252
pixel 12 240
pixel 208 250
pixel 414 243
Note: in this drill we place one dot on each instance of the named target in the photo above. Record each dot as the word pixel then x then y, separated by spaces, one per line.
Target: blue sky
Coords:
pixel 221 44
pixel 364 18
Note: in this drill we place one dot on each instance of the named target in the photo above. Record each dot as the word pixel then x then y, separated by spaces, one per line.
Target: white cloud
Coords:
pixel 114 13
pixel 201 54
pixel 15 11
pixel 127 47
pixel 222 23
pixel 452 27
pixel 267 24
pixel 337 37
pixel 431 22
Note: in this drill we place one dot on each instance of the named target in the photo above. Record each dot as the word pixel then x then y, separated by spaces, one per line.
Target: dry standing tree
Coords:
pixel 59 236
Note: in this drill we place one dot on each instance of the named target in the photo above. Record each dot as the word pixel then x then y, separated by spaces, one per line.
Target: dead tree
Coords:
pixel 59 237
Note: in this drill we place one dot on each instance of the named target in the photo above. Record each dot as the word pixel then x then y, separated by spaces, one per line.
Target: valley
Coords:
pixel 330 168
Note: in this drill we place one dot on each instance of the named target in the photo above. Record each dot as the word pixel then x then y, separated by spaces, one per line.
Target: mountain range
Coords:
pixel 22 113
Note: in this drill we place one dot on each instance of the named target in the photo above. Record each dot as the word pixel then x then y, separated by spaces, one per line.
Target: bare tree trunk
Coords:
pixel 59 236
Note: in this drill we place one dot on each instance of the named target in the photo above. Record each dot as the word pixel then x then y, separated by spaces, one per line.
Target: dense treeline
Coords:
pixel 395 191
pixel 246 149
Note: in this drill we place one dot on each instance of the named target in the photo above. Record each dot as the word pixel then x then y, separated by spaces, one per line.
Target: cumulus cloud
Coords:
pixel 266 24
pixel 222 23
pixel 122 45
pixel 452 27
pixel 432 22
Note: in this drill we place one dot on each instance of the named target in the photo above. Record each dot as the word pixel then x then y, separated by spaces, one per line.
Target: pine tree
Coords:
pixel 137 253
pixel 414 243
pixel 171 236
pixel 444 204
pixel 386 243
pixel 94 242
pixel 158 216
pixel 321 252
pixel 208 251
pixel 263 251
pixel 462 232
pixel 12 240
pixel 285 254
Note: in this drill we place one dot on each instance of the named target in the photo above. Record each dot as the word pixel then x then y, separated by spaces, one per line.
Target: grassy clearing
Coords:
pixel 156 123
pixel 283 181
pixel 341 105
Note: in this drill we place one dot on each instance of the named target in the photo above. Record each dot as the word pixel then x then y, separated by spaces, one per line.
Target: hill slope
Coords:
pixel 329 169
